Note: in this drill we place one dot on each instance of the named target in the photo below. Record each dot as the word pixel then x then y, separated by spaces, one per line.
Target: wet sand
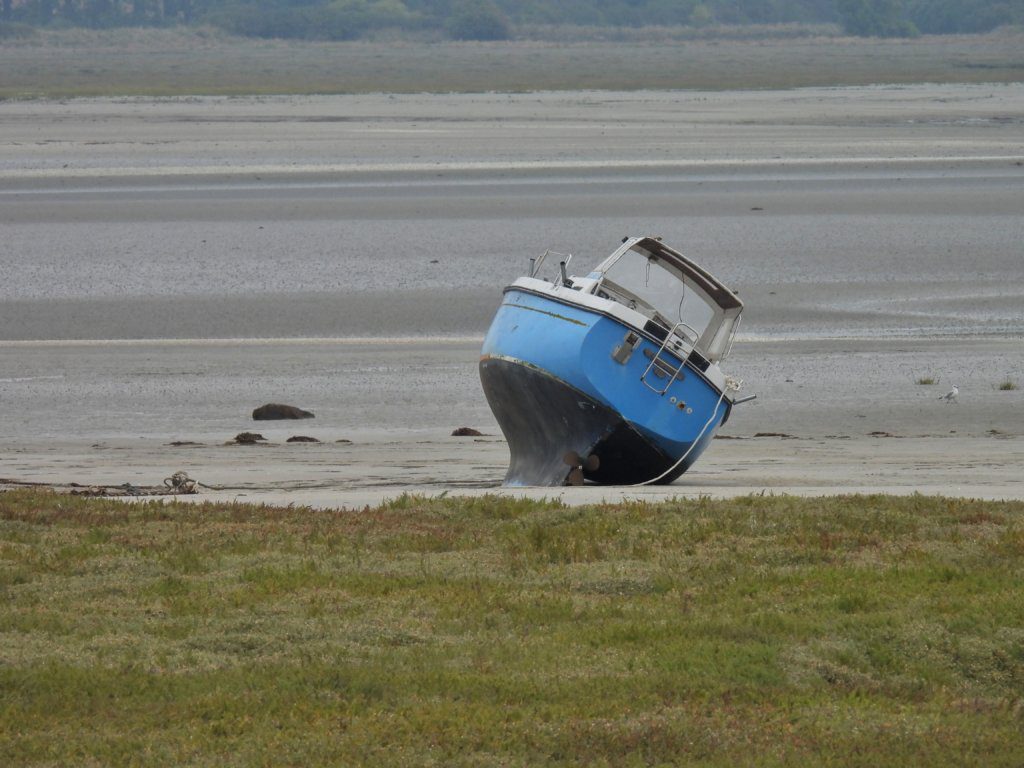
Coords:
pixel 875 234
pixel 831 417
pixel 431 463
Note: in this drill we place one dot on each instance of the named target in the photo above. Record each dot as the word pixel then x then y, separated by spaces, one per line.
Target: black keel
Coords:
pixel 544 419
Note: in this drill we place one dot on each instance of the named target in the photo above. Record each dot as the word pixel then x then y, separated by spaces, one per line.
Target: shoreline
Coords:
pixel 374 468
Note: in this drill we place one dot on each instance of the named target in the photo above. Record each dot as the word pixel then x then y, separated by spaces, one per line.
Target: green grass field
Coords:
pixel 760 631
pixel 72 63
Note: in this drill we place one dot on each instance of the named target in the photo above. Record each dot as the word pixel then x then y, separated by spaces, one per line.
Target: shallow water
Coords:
pixel 932 253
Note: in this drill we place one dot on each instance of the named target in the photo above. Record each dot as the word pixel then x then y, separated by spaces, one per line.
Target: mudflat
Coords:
pixel 171 264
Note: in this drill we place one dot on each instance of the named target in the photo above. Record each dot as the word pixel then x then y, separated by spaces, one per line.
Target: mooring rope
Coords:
pixel 180 482
pixel 731 385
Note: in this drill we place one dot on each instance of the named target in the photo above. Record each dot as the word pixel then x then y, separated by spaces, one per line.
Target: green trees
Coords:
pixel 498 19
pixel 895 18
pixel 279 20
pixel 939 17
pixel 875 18
pixel 476 20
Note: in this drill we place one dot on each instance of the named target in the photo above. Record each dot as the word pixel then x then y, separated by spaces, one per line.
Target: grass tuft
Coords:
pixel 1008 385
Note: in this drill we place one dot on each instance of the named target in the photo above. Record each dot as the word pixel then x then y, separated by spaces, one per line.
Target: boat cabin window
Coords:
pixel 659 291
pixel 672 291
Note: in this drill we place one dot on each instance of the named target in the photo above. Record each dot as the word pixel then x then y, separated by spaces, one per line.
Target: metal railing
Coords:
pixel 658 363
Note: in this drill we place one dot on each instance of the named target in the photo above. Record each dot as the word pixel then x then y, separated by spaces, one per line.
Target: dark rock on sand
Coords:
pixel 273 411
pixel 249 438
pixel 466 432
pixel 301 439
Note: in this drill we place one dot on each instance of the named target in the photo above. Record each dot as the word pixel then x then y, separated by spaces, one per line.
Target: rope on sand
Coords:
pixel 177 484
pixel 180 482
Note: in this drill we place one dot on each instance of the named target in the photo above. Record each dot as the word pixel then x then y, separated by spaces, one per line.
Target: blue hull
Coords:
pixel 550 376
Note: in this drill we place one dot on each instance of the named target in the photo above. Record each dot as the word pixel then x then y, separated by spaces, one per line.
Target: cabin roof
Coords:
pixel 716 290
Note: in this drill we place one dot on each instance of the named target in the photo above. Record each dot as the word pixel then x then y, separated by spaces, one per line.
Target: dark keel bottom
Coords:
pixel 544 418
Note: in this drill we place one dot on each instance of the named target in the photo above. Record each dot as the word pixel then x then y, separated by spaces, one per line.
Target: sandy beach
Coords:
pixel 171 264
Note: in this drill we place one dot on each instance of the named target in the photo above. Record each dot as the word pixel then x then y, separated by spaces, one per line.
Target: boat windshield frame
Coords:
pixel 673 292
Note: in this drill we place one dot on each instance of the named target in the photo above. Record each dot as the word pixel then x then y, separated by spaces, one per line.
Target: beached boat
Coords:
pixel 614 377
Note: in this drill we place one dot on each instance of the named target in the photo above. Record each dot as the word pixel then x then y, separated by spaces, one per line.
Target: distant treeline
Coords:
pixel 505 19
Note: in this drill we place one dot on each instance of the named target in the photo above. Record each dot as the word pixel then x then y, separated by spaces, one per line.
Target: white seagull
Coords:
pixel 952 396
